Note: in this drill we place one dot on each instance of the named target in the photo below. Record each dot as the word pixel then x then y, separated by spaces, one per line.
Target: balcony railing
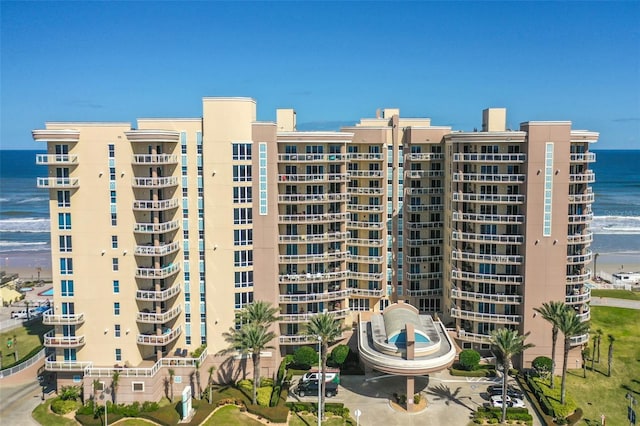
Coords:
pixel 488 218
pixel 474 337
pixel 301 339
pixel 171 203
pixel 322 177
pixel 580 258
pixel 426 156
pixel 417 174
pixel 301 217
pixel 161 250
pixel 314 297
pixel 484 297
pixel 583 297
pixel 587 157
pixel 163 272
pixel 365 190
pixel 482 177
pixel 370 276
pixel 51 364
pixel 490 158
pixel 507 239
pixel 487 278
pixel 154 159
pixel 329 256
pixel 585 238
pixel 365 292
pixel 156 228
pixel 313 198
pixel 312 158
pixel 494 318
pixel 365 225
pixel 585 316
pixel 161 318
pixel 424 208
pixel 423 259
pixel 579 340
pixel 582 198
pixel 365 173
pixel 414 242
pixel 56 159
pixel 318 277
pixel 53 341
pixel 425 292
pixel 154 182
pixel 492 258
pixel 289 318
pixel 157 296
pixel 423 225
pixel 365 208
pixel 365 156
pixel 168 336
pixel 579 278
pixel 63 319
pixel 581 218
pixel 423 275
pixel 56 182
pixel 365 242
pixel 587 177
pixel 488 198
pixel 423 191
pixel 365 259
pixel 314 238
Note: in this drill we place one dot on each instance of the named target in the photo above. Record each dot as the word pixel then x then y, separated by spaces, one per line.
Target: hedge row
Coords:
pixel 541 397
pixel 520 414
pixel 483 371
pixel 336 408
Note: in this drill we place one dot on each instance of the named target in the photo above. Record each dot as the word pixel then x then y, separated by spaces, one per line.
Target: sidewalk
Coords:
pixel 615 303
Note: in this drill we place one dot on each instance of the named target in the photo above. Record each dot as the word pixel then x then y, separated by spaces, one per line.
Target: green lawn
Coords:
pixel 29 339
pixel 599 394
pixel 135 422
pixel 230 415
pixel 44 416
pixel 616 294
pixel 299 419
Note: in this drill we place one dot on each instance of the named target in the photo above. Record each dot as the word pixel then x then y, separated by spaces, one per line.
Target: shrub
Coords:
pixel 245 385
pixel 87 409
pixel 482 371
pixel 575 417
pixel 277 414
pixel 417 398
pixel 148 406
pixel 63 406
pixel 198 351
pixel 469 359
pixel 339 354
pixel 542 365
pixel 264 395
pixel 266 381
pixel 281 372
pixel 305 356
pixel 70 393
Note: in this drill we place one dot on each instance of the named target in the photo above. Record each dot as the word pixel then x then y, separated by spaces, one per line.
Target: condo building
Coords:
pixel 163 232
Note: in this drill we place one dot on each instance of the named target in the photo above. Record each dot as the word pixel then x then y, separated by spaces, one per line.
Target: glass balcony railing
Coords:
pixel 56 182
pixel 490 158
pixel 56 159
pixel 485 317
pixel 168 336
pixel 484 297
pixel 155 182
pixel 157 296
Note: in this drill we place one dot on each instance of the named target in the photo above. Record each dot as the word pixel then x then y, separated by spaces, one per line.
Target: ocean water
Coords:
pixel 24 216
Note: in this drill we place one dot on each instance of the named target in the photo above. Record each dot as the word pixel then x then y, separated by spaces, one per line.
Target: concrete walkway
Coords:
pixel 615 303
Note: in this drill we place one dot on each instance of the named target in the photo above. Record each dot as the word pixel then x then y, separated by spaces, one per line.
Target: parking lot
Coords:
pixel 450 400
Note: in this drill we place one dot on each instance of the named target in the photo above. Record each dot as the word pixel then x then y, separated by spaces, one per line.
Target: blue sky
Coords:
pixel 332 62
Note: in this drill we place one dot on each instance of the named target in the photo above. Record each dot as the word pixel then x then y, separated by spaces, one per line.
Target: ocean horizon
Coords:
pixel 24 209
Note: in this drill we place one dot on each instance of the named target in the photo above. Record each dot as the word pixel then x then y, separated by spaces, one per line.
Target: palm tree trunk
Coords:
pixel 256 376
pixel 610 359
pixel 593 355
pixel 323 378
pixel 554 340
pixel 563 389
pixel 599 337
pixel 505 370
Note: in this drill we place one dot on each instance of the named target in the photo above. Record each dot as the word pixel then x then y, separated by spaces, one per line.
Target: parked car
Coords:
pixel 496 401
pixel 310 388
pixel 512 391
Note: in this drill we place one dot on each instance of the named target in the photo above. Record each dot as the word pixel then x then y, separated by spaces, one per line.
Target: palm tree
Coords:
pixel 599 336
pixel 260 313
pixel 325 327
pixel 250 339
pixel 593 353
pixel 611 340
pixel 197 374
pixel 585 356
pixel 115 381
pixel 506 344
pixel 15 345
pixel 172 374
pixel 210 382
pixel 551 312
pixel 570 325
pixel 96 387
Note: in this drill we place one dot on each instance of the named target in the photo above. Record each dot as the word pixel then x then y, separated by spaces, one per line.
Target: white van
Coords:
pixel 333 375
pixel 22 314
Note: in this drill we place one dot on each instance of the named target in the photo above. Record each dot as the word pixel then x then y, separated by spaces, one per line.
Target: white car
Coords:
pixel 496 401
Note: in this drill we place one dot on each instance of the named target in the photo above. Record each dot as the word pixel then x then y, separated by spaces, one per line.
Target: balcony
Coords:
pixel 314 297
pixel 365 242
pixel 299 339
pixel 63 319
pixel 419 174
pixel 365 190
pixel 581 218
pixel 587 177
pixel 365 259
pixel 581 298
pixel 465 336
pixel 157 296
pixel 490 158
pixel 323 177
pixel 309 218
pixel 356 156
pixel 579 340
pixel 51 364
pixel 365 225
pixel 56 159
pixel 329 256
pixel 579 259
pixel 424 208
pixel 312 278
pixel 167 337
pixel 160 250
pixel 365 292
pixel 423 191
pixel 292 318
pixel 481 177
pixel 57 183
pixel 369 276
pixel 423 259
pixel 156 228
pixel 313 198
pixel 579 278
pixel 484 297
pixel 53 341
pixel 411 242
pixel 154 182
pixel 426 156
pixel 488 218
pixel 153 136
pixel 155 159
pixel 585 238
pixel 482 317
pixel 423 275
pixel 365 208
pixel 312 158
pixel 487 198
pixel 505 239
pixel 586 157
pixel 491 258
pixel 56 135
pixel 486 278
pixel 585 316
pixel 423 225
pixel 161 318
pixel 314 238
pixel 427 292
pixel 368 174
pixel 159 273
pixel 148 205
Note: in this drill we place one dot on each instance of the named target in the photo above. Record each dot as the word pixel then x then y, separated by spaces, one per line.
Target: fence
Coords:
pixel 17 368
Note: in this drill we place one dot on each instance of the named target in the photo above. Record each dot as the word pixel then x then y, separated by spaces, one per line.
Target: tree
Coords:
pixel 210 382
pixel 172 374
pixel 506 344
pixel 197 374
pixel 543 365
pixel 469 359
pixel 570 325
pixel 339 354
pixel 97 386
pixel 305 356
pixel 552 312
pixel 115 381
pixel 325 327
pixel 585 356
pixel 611 340
pixel 15 345
pixel 599 338
pixel 260 313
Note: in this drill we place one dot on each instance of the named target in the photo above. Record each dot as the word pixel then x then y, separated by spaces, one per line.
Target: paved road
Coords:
pixel 616 303
pixel 18 402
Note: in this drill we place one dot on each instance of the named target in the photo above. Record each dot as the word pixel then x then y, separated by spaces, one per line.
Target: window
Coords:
pixel 263 178
pixel 64 198
pixel 112 150
pixel 243 299
pixel 241 151
pixel 116 286
pixel 64 220
pixel 243 216
pixel 242 194
pixel 66 288
pixel 112 173
pixel 112 196
pixel 65 243
pixel 244 279
pixel 114 219
pixel 243 258
pixel 66 266
pixel 137 386
pixel 114 241
pixel 116 330
pixel 242 173
pixel 114 264
pixel 242 237
pixel 116 308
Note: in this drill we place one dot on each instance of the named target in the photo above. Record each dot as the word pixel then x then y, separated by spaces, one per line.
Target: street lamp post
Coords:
pixel 319 382
pixel 357 413
pixel 102 396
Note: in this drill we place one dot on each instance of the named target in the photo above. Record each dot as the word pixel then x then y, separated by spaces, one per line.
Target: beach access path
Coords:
pixel 615 303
